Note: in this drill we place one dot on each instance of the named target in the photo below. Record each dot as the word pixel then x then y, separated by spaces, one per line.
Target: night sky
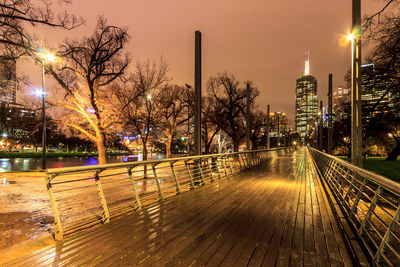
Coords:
pixel 257 40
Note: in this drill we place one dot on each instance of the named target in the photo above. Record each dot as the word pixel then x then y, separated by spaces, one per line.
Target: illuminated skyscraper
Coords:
pixel 306 102
pixel 8 80
pixel 373 89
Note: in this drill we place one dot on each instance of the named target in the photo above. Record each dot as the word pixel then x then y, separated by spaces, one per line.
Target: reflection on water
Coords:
pixel 26 164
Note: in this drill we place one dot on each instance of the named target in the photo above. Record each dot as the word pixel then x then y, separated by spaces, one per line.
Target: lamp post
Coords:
pixel 356 123
pixel 47 57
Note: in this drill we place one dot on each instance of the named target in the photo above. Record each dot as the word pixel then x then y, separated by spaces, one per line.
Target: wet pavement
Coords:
pixel 25 213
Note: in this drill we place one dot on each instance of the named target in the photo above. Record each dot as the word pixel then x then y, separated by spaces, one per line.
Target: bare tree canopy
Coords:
pixel 17 15
pixel 89 74
pixel 139 100
pixel 173 112
pixel 231 101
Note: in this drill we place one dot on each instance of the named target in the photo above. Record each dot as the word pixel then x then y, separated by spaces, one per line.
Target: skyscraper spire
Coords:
pixel 307 65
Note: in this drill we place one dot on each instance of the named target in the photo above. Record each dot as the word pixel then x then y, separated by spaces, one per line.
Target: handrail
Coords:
pixel 87 195
pixel 370 202
pixel 125 164
pixel 379 179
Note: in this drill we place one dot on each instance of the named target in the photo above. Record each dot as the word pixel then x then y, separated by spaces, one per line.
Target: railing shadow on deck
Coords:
pixel 371 204
pixel 81 197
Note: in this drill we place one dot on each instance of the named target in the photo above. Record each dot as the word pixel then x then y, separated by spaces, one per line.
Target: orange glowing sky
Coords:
pixel 257 40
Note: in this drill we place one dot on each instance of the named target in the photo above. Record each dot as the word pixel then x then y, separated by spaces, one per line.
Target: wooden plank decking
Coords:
pixel 276 214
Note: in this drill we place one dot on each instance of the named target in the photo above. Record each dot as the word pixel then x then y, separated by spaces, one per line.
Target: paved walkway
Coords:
pixel 276 214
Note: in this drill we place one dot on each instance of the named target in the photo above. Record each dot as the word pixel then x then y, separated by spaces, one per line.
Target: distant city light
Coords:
pixel 91 110
pixel 149 97
pixel 4 135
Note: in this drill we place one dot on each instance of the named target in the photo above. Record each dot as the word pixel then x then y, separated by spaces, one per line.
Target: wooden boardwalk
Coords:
pixel 274 215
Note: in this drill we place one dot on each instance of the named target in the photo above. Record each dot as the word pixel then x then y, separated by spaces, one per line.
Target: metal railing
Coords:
pixel 84 196
pixel 371 204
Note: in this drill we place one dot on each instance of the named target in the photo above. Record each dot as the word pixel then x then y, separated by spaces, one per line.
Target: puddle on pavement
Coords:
pixel 17 227
pixel 5 182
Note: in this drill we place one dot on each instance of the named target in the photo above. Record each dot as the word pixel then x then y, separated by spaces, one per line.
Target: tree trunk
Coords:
pixel 392 156
pixel 168 146
pixel 144 158
pixel 101 148
pixel 236 146
pixel 207 147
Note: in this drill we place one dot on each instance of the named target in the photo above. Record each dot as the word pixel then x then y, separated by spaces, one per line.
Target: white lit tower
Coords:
pixel 8 80
pixel 306 102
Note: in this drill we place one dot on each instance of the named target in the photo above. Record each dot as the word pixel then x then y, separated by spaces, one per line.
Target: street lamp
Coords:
pixel 46 58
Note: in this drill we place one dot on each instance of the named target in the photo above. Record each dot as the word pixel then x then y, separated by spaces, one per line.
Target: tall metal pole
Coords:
pixel 330 115
pixel 320 129
pixel 188 87
pixel 248 126
pixel 268 129
pixel 356 123
pixel 197 94
pixel 279 131
pixel 44 143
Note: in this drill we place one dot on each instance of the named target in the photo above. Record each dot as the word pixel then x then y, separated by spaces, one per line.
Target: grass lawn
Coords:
pixel 389 169
pixel 56 154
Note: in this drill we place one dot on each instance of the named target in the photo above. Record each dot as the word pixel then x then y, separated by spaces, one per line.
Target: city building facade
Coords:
pixel 340 96
pixel 373 90
pixel 306 103
pixel 8 80
pixel 279 124
pixel 16 121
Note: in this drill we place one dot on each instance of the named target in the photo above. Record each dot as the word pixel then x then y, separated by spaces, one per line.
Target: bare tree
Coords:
pixel 139 100
pixel 172 110
pixel 230 101
pixel 258 122
pixel 209 128
pixel 382 33
pixel 88 75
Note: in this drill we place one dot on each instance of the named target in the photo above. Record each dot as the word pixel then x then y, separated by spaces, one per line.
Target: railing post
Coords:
pixel 353 208
pixel 106 213
pixel 160 194
pixel 388 235
pixel 178 188
pixel 347 195
pixel 201 172
pixel 230 163
pixel 58 230
pixel 138 204
pixel 240 163
pixel 218 171
pixel 224 161
pixel 236 156
pixel 190 175
pixel 370 210
pixel 211 171
pixel 247 160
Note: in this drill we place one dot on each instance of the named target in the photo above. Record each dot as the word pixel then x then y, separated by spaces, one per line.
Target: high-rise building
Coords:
pixel 373 89
pixel 340 96
pixel 16 121
pixel 306 102
pixel 279 124
pixel 8 80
